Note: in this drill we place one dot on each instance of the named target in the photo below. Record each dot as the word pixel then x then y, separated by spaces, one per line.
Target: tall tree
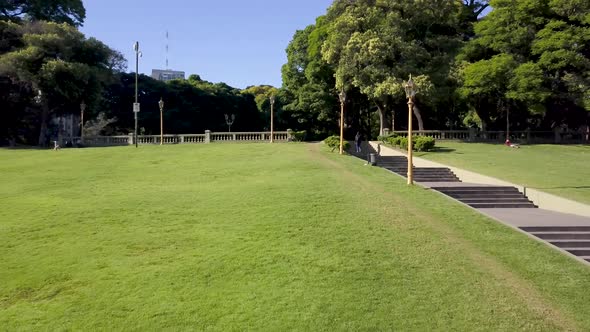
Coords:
pixel 60 68
pixel 60 11
pixel 547 43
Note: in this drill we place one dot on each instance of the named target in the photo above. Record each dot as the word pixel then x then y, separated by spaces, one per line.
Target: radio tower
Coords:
pixel 167 41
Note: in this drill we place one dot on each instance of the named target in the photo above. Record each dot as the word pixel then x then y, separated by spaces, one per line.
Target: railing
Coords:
pixel 249 136
pixel 522 137
pixel 208 137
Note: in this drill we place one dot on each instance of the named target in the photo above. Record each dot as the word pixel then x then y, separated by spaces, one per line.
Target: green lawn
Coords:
pixel 261 237
pixel 562 170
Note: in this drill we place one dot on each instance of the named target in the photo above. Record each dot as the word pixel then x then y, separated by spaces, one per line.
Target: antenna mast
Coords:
pixel 167 42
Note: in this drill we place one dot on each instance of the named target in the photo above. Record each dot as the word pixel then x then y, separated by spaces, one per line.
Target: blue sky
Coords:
pixel 240 43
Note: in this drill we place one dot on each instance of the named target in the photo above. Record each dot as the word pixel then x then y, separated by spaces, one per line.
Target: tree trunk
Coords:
pixel 392 120
pixel 381 118
pixel 43 130
pixel 419 117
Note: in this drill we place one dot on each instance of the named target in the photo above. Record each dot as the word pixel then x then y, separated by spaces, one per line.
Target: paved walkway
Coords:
pixel 516 218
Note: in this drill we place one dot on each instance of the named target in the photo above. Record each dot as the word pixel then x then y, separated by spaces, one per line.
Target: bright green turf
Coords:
pixel 562 170
pixel 260 237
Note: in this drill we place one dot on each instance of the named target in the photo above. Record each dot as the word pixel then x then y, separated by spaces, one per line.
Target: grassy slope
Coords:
pixel 229 237
pixel 561 170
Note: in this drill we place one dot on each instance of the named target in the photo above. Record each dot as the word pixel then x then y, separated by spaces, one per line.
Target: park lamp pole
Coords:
pixel 136 104
pixel 342 96
pixel 272 105
pixel 82 109
pixel 161 105
pixel 410 88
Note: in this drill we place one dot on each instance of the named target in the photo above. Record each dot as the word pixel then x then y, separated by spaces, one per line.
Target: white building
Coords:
pixel 166 74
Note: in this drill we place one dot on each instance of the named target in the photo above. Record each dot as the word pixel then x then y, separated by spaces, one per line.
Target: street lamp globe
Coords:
pixel 410 87
pixel 161 104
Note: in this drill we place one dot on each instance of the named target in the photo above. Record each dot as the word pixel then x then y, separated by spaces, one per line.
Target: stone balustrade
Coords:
pixel 527 136
pixel 207 137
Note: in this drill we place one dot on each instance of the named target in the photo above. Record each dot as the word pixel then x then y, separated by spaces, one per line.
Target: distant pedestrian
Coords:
pixel 358 140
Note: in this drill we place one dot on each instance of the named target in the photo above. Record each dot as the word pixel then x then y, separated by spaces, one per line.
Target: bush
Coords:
pixel 333 142
pixel 298 136
pixel 424 143
pixel 419 143
pixel 403 143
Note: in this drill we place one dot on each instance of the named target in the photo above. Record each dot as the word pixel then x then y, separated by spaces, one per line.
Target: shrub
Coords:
pixel 424 143
pixel 403 143
pixel 298 136
pixel 419 143
pixel 333 142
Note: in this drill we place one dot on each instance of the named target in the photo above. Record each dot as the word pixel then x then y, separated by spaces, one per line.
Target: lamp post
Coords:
pixel 272 127
pixel 161 104
pixel 82 109
pixel 410 88
pixel 136 104
pixel 342 96
pixel 229 120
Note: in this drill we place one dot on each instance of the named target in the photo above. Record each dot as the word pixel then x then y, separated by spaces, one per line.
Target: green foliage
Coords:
pixel 402 143
pixel 61 11
pixel 333 142
pixel 423 143
pixel 297 136
pixel 419 143
pixel 525 55
pixel 59 61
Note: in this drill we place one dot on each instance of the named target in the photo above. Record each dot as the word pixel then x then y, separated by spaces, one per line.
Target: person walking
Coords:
pixel 358 140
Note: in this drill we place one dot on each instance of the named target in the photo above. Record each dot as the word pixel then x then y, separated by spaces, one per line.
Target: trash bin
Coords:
pixel 372 159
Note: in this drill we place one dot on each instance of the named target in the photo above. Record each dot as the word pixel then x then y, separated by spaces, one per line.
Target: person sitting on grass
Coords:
pixel 516 146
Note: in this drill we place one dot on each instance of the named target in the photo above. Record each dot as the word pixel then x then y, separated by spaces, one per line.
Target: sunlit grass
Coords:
pixel 260 237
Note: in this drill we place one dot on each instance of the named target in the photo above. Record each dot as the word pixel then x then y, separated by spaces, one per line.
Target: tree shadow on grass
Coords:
pixel 437 150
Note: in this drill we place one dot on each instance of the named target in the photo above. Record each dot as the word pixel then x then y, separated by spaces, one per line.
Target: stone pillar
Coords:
pixel 130 139
pixel 386 132
pixel 528 136
pixel 472 134
pixel 557 131
pixel 207 136
pixel 181 139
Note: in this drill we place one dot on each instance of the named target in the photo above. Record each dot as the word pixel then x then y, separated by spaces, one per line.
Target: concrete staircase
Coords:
pixel 573 239
pixel 485 197
pixel 399 165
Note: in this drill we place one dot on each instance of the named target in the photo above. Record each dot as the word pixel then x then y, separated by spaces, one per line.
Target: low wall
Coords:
pixel 207 137
pixel 521 137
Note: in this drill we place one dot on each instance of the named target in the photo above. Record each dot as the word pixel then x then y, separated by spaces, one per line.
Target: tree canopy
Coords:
pixel 60 11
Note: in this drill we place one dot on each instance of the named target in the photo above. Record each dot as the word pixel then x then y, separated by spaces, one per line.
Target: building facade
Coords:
pixel 167 75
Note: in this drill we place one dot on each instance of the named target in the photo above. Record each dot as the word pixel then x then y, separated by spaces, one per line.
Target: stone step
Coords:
pixel 520 199
pixel 556 229
pixel 418 171
pixel 578 251
pixel 571 243
pixel 586 258
pixel 482 193
pixel 562 235
pixel 485 196
pixel 437 180
pixel 502 205
pixel 477 189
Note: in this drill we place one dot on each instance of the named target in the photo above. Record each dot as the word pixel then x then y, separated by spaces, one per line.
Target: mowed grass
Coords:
pixel 261 237
pixel 561 170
